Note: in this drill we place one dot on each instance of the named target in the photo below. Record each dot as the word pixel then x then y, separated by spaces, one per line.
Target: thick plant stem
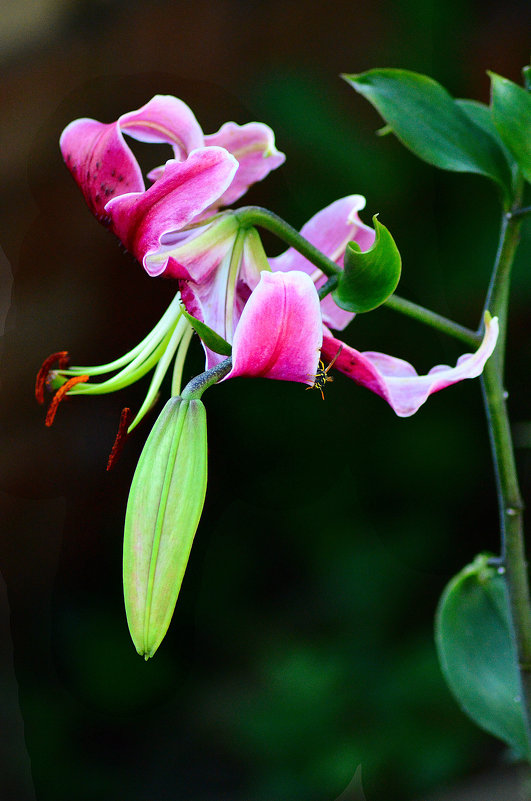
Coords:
pixel 195 388
pixel 511 507
pixel 509 498
pixel 498 295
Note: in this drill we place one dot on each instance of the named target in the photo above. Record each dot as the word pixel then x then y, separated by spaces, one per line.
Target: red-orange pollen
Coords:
pixel 121 436
pixel 60 394
pixel 40 382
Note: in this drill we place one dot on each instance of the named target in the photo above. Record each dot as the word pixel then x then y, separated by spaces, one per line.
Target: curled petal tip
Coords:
pixel 397 381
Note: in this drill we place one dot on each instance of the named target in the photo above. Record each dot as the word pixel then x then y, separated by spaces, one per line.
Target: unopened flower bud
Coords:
pixel 163 511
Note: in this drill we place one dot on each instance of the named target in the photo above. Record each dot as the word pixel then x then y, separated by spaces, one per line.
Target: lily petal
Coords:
pixel 330 230
pixel 164 119
pixel 280 331
pixel 143 219
pixel 253 145
pixel 101 163
pixel 397 381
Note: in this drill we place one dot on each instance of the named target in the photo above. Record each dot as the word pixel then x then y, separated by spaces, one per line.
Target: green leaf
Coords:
pixel 511 112
pixel 473 637
pixel 212 340
pixel 429 122
pixel 371 276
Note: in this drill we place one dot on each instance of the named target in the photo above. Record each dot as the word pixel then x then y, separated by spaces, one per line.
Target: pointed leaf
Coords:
pixel 369 276
pixel 212 340
pixel 481 115
pixel 473 637
pixel 511 112
pixel 429 122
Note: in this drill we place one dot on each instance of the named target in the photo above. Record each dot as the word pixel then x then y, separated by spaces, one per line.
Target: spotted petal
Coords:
pixel 280 331
pixel 397 381
pixel 102 163
pixel 330 230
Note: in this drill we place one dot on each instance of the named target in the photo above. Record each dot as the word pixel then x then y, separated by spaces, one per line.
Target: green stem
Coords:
pixel 196 387
pixel 437 321
pixel 497 300
pixel 255 215
pixel 509 497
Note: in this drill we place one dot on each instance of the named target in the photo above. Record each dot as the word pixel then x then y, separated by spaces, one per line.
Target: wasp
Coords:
pixel 321 377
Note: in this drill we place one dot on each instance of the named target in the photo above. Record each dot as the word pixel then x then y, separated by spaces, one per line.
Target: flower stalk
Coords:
pixel 513 557
pixel 195 388
pixel 437 321
pixel 249 216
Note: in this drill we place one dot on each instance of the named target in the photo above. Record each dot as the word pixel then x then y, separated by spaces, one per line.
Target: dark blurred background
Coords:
pixel 302 646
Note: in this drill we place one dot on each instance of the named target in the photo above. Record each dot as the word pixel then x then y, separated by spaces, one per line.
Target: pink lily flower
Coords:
pixel 105 168
pixel 217 264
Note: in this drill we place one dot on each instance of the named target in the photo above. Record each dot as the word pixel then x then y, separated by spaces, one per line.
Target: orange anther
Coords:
pixel 121 436
pixel 60 394
pixel 40 382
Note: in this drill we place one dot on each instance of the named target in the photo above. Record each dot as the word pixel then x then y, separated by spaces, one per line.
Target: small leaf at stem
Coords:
pixel 511 113
pixel 475 649
pixel 369 276
pixel 429 122
pixel 212 340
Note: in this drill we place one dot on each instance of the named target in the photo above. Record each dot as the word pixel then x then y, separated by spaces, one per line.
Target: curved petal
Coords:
pixel 165 119
pixel 100 161
pixel 280 331
pixel 143 219
pixel 194 254
pixel 253 145
pixel 397 381
pixel 330 230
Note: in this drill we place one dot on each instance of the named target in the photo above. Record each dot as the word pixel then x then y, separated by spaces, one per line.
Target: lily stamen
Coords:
pixel 121 437
pixel 168 340
pixel 40 382
pixel 60 394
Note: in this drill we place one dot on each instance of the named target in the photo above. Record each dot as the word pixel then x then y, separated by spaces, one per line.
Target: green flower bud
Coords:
pixel 163 511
